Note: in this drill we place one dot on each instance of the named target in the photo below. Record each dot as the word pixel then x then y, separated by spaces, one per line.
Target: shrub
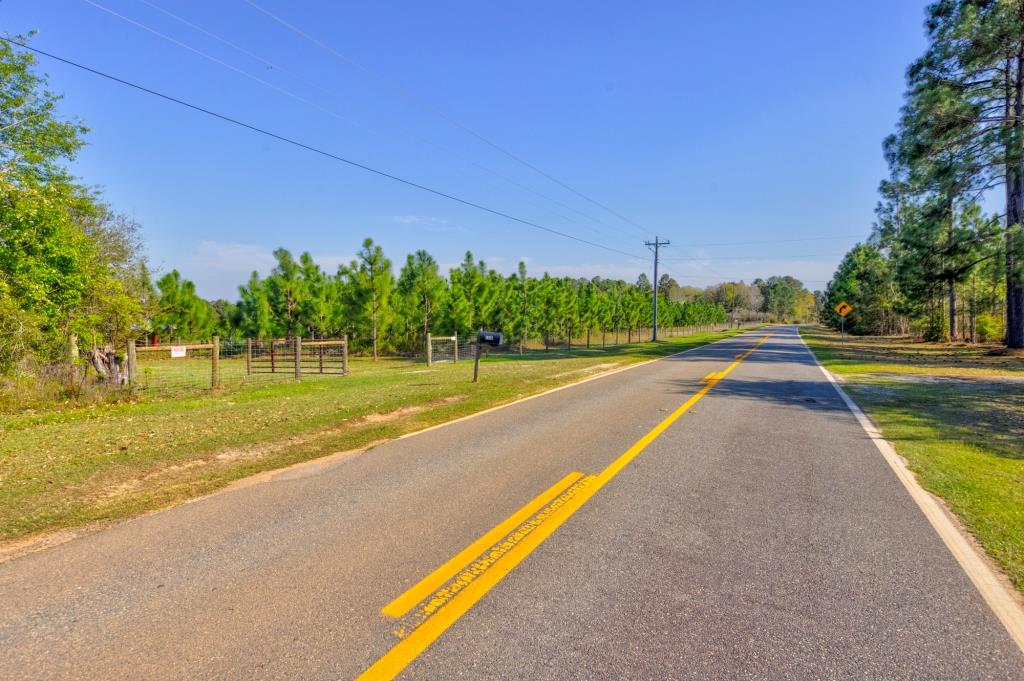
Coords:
pixel 990 328
pixel 934 329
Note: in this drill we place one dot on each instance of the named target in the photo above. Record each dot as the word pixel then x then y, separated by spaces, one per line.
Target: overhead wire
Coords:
pixel 774 241
pixel 308 83
pixel 756 257
pixel 429 106
pixel 316 150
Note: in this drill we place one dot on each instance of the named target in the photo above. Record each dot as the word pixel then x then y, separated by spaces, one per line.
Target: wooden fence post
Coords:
pixel 72 359
pixel 430 352
pixel 321 355
pixel 455 338
pixel 248 356
pixel 133 368
pixel 298 358
pixel 273 366
pixel 215 364
pixel 344 355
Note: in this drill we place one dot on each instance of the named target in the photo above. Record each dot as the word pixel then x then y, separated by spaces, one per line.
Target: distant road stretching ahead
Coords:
pixel 715 515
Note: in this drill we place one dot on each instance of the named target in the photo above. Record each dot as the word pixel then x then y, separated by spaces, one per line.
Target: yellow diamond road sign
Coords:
pixel 843 308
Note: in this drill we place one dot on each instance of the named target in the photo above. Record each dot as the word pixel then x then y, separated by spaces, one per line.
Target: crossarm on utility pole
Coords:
pixel 655 246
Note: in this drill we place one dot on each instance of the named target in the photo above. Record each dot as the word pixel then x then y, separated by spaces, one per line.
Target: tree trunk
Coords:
pixel 1015 214
pixel 107 365
pixel 952 312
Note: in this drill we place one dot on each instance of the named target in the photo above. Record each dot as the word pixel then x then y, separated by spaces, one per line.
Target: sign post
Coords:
pixel 842 309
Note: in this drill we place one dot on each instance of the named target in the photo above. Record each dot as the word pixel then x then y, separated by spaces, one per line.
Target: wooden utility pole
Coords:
pixel 655 246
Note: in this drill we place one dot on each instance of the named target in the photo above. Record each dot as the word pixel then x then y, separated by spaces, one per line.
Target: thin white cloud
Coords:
pixel 329 263
pixel 218 268
pixel 408 219
pixel 427 223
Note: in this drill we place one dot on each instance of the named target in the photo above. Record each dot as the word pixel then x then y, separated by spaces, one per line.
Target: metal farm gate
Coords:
pixel 297 357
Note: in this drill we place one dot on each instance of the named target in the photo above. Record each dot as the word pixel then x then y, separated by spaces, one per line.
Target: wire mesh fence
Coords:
pixel 184 367
pixel 456 348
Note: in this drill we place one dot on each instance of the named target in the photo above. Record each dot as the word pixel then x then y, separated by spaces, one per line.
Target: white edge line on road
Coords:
pixel 995 593
pixel 603 374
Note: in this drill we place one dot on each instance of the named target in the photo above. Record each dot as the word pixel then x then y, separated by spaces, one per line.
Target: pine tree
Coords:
pixel 370 287
pixel 421 289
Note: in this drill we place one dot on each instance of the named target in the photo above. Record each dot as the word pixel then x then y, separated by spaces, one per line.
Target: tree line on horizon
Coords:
pixel 73 274
pixel 382 312
pixel 936 264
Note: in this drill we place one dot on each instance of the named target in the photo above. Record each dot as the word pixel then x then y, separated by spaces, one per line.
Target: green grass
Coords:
pixel 72 466
pixel 956 413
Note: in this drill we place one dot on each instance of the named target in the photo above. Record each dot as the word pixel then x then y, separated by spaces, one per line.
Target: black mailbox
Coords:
pixel 492 338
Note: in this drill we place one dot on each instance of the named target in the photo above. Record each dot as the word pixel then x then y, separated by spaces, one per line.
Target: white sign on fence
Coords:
pixel 177 351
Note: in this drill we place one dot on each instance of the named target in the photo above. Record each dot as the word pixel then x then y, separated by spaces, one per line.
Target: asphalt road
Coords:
pixel 760 536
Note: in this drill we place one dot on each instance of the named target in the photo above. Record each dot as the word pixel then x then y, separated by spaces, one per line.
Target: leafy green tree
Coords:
pixel 782 297
pixel 69 266
pixel 34 143
pixel 864 279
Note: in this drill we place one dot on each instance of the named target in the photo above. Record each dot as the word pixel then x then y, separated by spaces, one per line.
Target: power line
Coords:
pixel 723 278
pixel 215 60
pixel 307 147
pixel 759 257
pixel 427 105
pixel 300 79
pixel 775 241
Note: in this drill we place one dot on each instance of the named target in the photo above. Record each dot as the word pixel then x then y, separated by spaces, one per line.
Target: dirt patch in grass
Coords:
pixel 392 415
pixel 597 368
pixel 77 466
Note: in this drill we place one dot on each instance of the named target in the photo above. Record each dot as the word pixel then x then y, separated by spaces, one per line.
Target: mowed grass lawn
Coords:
pixel 956 413
pixel 71 467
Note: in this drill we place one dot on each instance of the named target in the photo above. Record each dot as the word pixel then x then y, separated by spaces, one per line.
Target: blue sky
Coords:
pixel 704 123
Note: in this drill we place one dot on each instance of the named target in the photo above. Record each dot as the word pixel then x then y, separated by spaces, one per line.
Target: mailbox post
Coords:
pixel 489 338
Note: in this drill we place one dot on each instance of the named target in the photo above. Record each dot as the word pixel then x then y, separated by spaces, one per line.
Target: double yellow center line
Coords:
pixel 438 600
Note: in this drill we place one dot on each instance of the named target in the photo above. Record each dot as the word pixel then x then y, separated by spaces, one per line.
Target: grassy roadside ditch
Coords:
pixel 956 414
pixel 67 468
